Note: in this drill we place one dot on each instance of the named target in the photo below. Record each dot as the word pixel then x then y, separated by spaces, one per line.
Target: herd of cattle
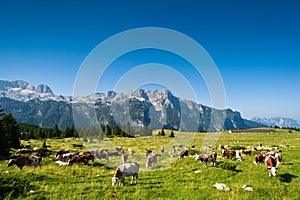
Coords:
pixel 66 157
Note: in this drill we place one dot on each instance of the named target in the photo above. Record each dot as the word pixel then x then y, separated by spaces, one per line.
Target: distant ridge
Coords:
pixel 277 121
pixel 152 108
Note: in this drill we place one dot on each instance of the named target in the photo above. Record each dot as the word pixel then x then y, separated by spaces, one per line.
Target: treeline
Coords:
pixel 292 128
pixel 114 131
pixel 30 131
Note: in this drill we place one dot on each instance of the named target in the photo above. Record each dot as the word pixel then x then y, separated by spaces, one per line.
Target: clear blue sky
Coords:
pixel 255 44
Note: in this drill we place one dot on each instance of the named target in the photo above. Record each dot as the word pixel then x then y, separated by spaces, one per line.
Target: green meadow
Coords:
pixel 173 178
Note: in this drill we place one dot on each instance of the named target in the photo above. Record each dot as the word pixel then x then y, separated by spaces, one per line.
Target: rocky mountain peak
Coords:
pixel 43 89
pixel 152 108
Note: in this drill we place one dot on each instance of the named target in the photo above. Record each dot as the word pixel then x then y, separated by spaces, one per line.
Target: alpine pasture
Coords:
pixel 184 178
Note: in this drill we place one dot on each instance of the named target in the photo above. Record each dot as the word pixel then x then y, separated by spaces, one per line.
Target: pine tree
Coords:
pixel 10 127
pixel 172 134
pixel 107 131
pixel 162 132
pixel 9 133
pixel 4 150
pixel 44 146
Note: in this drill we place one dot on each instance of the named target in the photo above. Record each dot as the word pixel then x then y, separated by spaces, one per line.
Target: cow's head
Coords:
pixel 10 162
pixel 199 157
pixel 114 180
pixel 118 174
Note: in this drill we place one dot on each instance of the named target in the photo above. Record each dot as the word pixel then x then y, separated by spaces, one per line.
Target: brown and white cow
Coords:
pixel 81 159
pixel 162 149
pixel 25 161
pixel 207 158
pixel 61 152
pixel 259 158
pixel 89 156
pixel 228 153
pixel 184 152
pixel 67 156
pixel 247 151
pixel 271 164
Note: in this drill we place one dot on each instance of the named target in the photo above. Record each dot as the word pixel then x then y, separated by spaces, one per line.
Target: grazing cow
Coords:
pixel 24 151
pixel 247 152
pixel 25 160
pixel 89 156
pixel 67 156
pixel 61 152
pixel 80 159
pixel 148 152
pixel 259 158
pixel 102 154
pixel 86 153
pixel 271 164
pixel 162 149
pixel 151 161
pixel 184 152
pixel 174 149
pixel 228 153
pixel 207 158
pixel 127 169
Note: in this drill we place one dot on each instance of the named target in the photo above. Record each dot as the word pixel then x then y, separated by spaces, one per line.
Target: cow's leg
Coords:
pixel 269 170
pixel 136 177
pixel 273 171
pixel 132 177
pixel 122 181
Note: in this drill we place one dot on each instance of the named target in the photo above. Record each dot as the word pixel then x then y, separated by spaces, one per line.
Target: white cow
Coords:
pixel 127 169
pixel 151 160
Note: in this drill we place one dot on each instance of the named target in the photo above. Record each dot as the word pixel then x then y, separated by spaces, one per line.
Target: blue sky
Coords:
pixel 255 45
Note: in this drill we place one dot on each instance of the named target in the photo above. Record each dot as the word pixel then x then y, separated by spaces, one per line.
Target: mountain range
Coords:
pixel 278 121
pixel 152 108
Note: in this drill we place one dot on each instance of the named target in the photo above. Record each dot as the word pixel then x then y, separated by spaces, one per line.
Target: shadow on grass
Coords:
pixel 287 163
pixel 287 178
pixel 228 166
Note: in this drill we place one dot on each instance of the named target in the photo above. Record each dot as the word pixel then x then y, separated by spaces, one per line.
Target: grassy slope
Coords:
pixel 175 181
